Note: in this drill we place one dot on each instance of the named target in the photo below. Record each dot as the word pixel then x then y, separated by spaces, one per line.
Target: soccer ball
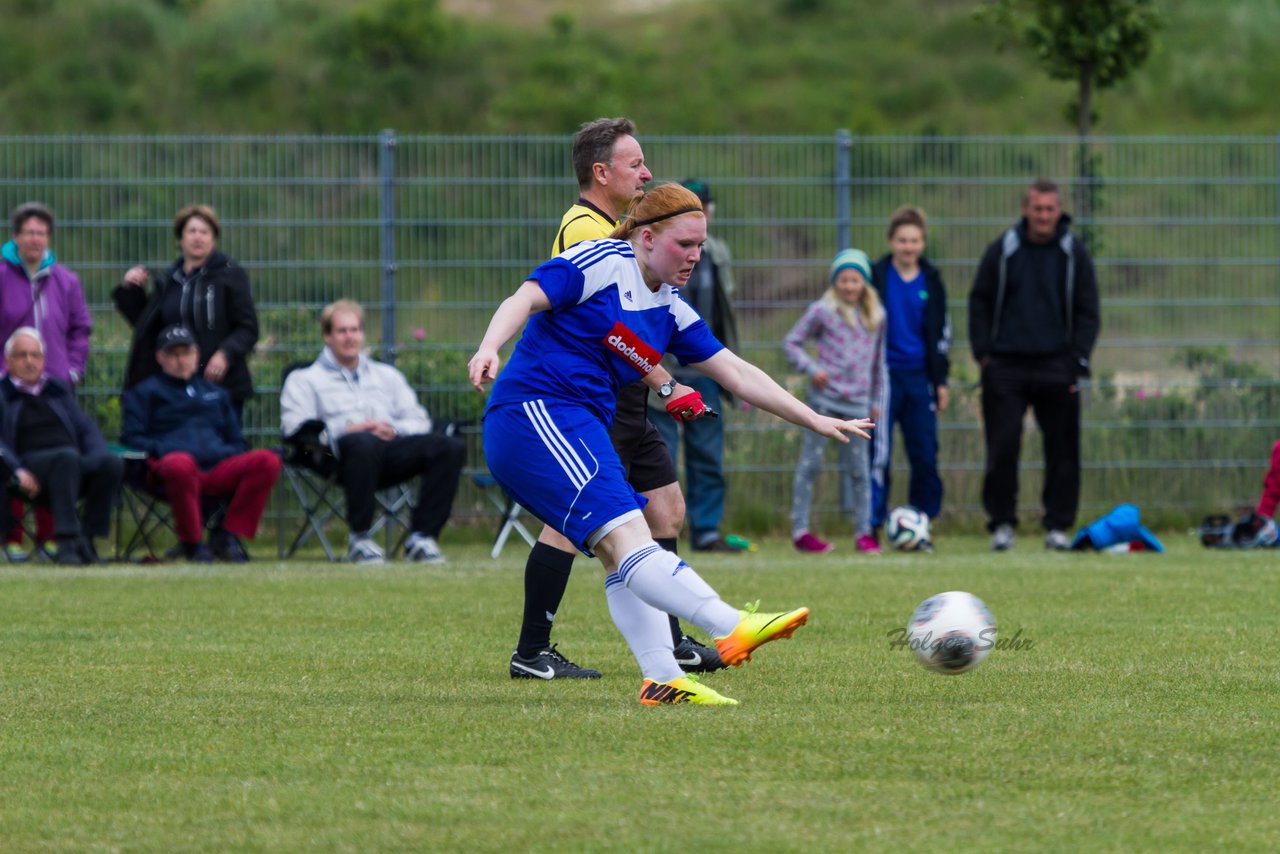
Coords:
pixel 906 528
pixel 952 632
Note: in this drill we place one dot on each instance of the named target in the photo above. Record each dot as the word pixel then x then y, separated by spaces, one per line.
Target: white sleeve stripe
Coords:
pixel 598 251
pixel 556 443
pixel 683 313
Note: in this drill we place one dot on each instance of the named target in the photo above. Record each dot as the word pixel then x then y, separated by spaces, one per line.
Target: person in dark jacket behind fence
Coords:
pixel 191 435
pixel 1033 321
pixel 52 453
pixel 204 291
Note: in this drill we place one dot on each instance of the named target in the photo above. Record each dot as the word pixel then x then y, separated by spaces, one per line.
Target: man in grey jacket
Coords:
pixel 379 432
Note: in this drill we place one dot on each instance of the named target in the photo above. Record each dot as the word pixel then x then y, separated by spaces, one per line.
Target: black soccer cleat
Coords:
pixel 693 657
pixel 548 664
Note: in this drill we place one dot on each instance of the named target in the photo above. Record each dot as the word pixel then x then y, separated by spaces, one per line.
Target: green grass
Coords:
pixel 303 706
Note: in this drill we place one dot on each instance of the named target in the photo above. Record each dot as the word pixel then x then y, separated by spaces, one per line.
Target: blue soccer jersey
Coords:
pixel 605 329
pixel 546 434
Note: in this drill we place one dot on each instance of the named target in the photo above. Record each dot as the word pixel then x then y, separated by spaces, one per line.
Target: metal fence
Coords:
pixel 430 232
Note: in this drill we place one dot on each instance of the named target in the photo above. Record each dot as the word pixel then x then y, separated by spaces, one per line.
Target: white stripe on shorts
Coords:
pixel 556 443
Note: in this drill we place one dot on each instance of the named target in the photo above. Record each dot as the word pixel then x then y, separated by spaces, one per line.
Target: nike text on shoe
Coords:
pixel 686 689
pixel 694 657
pixel 548 664
pixel 754 630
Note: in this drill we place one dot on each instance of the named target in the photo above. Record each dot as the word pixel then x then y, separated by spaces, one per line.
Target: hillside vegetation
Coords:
pixel 678 66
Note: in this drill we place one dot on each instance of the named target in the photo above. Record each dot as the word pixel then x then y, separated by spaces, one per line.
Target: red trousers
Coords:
pixel 44 522
pixel 246 479
pixel 1271 485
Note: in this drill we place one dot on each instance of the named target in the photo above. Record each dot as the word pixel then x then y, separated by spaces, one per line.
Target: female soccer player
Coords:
pixel 595 318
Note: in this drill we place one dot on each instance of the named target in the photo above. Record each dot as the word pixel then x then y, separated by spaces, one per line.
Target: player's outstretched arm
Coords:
pixel 509 319
pixel 759 389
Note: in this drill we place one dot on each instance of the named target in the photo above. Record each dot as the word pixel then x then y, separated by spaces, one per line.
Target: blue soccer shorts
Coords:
pixel 556 460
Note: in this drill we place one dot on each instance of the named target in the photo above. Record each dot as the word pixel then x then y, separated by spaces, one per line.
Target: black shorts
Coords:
pixel 639 445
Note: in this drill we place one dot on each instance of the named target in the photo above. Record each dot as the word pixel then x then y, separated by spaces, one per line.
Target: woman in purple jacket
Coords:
pixel 37 291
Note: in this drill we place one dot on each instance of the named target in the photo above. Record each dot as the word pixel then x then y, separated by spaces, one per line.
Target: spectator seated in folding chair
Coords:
pixel 51 452
pixel 189 430
pixel 311 470
pixel 379 434
pixel 146 503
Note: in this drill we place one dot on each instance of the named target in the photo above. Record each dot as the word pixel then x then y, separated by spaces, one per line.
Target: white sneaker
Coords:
pixel 1057 541
pixel 365 551
pixel 1002 538
pixel 423 549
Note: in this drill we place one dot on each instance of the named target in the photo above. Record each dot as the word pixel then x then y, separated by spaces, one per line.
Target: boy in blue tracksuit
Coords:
pixel 918 353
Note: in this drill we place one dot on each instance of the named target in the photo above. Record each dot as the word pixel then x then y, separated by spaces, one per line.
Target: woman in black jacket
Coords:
pixel 206 292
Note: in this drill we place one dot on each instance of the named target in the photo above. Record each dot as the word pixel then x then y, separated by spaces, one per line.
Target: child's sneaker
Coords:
pixel 807 542
pixel 686 689
pixel 868 544
pixel 755 630
pixel 16 553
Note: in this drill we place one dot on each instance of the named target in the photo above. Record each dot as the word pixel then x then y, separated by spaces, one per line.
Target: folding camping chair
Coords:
pixel 311 470
pixel 509 512
pixel 143 498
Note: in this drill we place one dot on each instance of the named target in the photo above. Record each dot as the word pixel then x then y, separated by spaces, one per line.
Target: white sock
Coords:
pixel 646 630
pixel 664 581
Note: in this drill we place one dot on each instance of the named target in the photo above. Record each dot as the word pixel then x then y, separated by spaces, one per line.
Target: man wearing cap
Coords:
pixel 708 291
pixel 36 291
pixel 189 430
pixel 52 453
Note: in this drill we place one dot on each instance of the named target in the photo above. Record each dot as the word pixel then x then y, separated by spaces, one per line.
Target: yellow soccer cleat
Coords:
pixel 686 689
pixel 755 630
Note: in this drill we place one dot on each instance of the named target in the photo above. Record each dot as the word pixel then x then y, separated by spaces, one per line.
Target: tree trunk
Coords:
pixel 1084 123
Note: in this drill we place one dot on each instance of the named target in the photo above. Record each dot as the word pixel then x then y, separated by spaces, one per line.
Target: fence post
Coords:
pixel 386 192
pixel 844 183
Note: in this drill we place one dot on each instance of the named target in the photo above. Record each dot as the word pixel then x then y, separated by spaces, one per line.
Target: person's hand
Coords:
pixel 27 483
pixel 136 276
pixel 820 379
pixel 837 428
pixel 216 370
pixel 483 368
pixel 689 406
pixel 382 430
pixel 944 398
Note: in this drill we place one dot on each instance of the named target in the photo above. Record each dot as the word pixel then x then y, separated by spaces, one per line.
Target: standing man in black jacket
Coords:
pixel 1033 321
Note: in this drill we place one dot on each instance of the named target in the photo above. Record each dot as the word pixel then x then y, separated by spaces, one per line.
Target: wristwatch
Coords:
pixel 667 389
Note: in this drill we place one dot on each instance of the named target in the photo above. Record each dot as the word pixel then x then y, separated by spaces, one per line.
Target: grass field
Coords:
pixel 309 707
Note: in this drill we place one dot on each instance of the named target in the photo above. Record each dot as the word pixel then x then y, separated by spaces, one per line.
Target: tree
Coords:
pixel 1096 43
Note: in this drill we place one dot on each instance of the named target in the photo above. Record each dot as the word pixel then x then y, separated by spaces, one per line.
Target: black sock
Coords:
pixel 546 576
pixel 672 544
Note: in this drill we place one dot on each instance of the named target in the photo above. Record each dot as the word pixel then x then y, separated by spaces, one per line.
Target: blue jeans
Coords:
pixel 703 461
pixel 911 406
